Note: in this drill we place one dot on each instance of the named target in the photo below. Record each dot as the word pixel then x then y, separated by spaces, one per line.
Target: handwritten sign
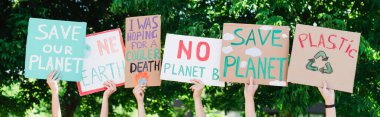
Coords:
pixel 55 45
pixel 143 50
pixel 103 61
pixel 187 57
pixel 322 54
pixel 258 51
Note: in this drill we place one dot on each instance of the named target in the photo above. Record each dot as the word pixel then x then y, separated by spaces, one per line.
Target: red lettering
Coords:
pixel 207 54
pixel 103 46
pixel 321 41
pixel 333 44
pixel 302 39
pixel 113 44
pixel 353 50
pixel 343 40
pixel 183 48
pixel 311 41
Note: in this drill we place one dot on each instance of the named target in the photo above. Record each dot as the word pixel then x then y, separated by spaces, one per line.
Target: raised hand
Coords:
pixel 139 91
pixel 249 92
pixel 197 88
pixel 327 94
pixel 329 97
pixel 250 89
pixel 111 88
pixel 52 80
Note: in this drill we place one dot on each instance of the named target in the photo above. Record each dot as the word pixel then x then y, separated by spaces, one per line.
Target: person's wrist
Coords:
pixel 140 102
pixel 105 96
pixel 329 102
pixel 54 92
pixel 197 96
pixel 249 96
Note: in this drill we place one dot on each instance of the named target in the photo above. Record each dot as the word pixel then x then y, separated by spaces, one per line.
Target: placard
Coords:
pixel 188 57
pixel 323 54
pixel 258 51
pixel 143 50
pixel 104 60
pixel 55 45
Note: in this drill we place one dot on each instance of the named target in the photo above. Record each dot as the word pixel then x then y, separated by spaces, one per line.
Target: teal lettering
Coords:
pixel 202 68
pixel 173 70
pixel 215 74
pixel 94 74
pixel 266 37
pixel 227 64
pixel 167 66
pixel 237 67
pixel 262 67
pixel 250 67
pixel 270 67
pixel 251 36
pixel 195 71
pixel 276 38
pixel 281 67
pixel 236 33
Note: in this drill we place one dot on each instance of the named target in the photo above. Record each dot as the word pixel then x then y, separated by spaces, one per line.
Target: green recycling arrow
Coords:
pixel 310 66
pixel 321 54
pixel 328 69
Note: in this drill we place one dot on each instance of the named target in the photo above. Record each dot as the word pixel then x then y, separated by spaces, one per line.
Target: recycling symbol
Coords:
pixel 327 69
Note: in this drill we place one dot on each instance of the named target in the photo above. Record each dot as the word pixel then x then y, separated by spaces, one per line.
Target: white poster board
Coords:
pixel 188 57
pixel 103 61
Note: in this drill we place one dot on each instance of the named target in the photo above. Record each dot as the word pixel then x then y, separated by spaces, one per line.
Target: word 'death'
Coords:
pixel 257 51
pixel 104 60
pixel 322 54
pixel 143 50
pixel 187 57
pixel 55 45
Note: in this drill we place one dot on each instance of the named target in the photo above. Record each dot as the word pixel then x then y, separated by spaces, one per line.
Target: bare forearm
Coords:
pixel 330 112
pixel 141 109
pixel 104 111
pixel 199 111
pixel 250 107
pixel 56 109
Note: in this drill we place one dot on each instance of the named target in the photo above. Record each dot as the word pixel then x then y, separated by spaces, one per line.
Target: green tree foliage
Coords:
pixel 198 18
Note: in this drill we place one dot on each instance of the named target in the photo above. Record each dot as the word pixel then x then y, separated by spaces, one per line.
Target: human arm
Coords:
pixel 111 88
pixel 249 93
pixel 138 91
pixel 197 89
pixel 329 97
pixel 52 81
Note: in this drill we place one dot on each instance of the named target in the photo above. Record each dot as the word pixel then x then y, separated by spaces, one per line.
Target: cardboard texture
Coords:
pixel 104 60
pixel 188 57
pixel 258 51
pixel 55 45
pixel 143 50
pixel 323 54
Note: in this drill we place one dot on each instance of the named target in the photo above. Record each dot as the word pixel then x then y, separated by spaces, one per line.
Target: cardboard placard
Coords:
pixel 143 50
pixel 188 57
pixel 55 45
pixel 103 61
pixel 258 51
pixel 323 54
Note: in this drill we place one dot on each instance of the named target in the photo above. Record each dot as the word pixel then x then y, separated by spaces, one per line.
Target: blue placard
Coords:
pixel 55 45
